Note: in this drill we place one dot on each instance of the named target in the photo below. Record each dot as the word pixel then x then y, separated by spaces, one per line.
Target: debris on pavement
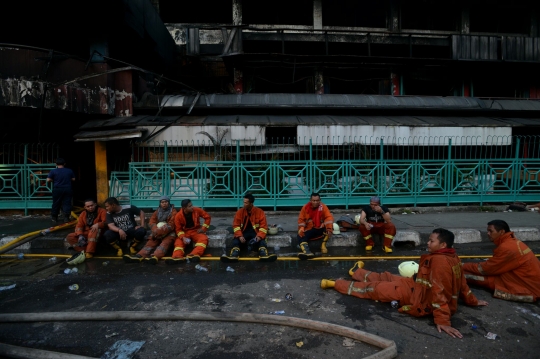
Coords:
pixel 111 335
pixel 348 342
pixel 123 349
pixel 491 336
pixel 6 286
pixel 299 344
pixel 288 296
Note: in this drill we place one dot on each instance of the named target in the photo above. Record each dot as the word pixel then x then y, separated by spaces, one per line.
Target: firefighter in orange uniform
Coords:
pixel 314 222
pixel 375 218
pixel 434 291
pixel 189 230
pixel 89 229
pixel 513 273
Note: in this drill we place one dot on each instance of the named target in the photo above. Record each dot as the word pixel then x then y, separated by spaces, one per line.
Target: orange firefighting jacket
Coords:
pixel 180 221
pixel 100 219
pixel 164 231
pixel 438 285
pixel 305 222
pixel 257 218
pixel 515 269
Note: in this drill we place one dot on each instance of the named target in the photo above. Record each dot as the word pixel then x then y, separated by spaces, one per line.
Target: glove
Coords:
pixel 187 240
pixel 82 241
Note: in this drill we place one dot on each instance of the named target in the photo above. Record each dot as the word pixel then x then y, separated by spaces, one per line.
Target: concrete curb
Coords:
pixel 222 238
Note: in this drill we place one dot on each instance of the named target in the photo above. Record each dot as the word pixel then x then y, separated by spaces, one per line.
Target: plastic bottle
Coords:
pixel 394 304
pixel 74 270
pixel 74 287
pixel 67 271
pixel 200 268
pixel 229 269
pixel 278 312
pixel 20 256
pixel 53 259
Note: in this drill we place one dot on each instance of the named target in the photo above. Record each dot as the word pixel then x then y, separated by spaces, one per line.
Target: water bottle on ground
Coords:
pixel 229 269
pixel 53 259
pixel 200 268
pixel 74 287
pixel 67 271
pixel 278 312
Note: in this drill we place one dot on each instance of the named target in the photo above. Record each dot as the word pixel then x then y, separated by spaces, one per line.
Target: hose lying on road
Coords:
pixel 12 351
pixel 389 349
pixel 19 241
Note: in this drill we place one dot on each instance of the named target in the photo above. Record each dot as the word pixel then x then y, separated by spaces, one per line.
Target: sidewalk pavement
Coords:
pixel 413 227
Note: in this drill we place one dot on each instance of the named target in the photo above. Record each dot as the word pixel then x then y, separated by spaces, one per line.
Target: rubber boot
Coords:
pixel 387 249
pixel 235 252
pixel 356 265
pixel 265 257
pixel 232 257
pixel 119 252
pixel 152 260
pixel 323 244
pixel 306 252
pixel 133 247
pixel 88 255
pixel 327 283
pixel 133 258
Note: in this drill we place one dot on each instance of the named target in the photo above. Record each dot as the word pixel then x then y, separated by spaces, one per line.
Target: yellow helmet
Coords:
pixel 408 269
pixel 336 229
pixel 77 258
pixel 357 219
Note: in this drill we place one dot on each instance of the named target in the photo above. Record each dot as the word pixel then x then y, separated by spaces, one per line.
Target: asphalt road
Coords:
pixel 250 289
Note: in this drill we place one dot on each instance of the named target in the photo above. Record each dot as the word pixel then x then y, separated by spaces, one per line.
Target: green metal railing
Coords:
pixel 23 175
pixel 413 171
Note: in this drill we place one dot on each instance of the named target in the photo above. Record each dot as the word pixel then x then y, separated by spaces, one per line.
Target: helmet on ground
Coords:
pixel 357 219
pixel 161 224
pixel 336 229
pixel 408 269
pixel 77 258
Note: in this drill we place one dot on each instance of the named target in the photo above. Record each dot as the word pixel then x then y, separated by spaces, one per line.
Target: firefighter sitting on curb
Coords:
pixel 434 290
pixel 162 237
pixel 250 229
pixel 89 229
pixel 189 230
pixel 375 218
pixel 314 222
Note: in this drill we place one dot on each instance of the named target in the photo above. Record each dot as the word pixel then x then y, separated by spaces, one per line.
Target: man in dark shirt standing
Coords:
pixel 62 192
pixel 122 225
pixel 375 218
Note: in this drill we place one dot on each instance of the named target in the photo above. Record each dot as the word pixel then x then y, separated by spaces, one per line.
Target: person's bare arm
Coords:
pixel 386 216
pixel 143 218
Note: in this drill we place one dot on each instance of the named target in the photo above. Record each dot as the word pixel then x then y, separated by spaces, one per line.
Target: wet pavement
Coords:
pixel 107 284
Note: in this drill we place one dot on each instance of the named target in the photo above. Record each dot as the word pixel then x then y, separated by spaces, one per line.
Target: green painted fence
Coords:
pixel 346 172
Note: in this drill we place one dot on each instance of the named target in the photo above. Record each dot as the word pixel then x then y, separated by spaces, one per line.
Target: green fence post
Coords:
pixel 449 171
pixel 310 167
pixel 166 170
pixel 26 176
pixel 516 173
pixel 239 179
pixel 382 174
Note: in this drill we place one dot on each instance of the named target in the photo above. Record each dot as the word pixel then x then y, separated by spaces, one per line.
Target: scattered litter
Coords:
pixel 474 327
pixel 20 256
pixel 276 300
pixel 111 335
pixel 74 287
pixel 288 296
pixel 53 259
pixel 491 335
pixel 299 344
pixel 67 271
pixel 105 263
pixel 394 304
pixel 348 342
pixel 6 286
pixel 200 268
pixel 404 213
pixel 278 312
pixel 230 269
pixel 75 270
pixel 277 286
pixel 124 349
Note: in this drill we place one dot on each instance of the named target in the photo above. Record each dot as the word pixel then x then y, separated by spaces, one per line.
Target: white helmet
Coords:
pixel 77 258
pixel 336 229
pixel 357 219
pixel 161 224
pixel 408 269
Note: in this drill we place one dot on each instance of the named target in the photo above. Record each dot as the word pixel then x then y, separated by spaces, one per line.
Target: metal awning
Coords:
pixel 109 135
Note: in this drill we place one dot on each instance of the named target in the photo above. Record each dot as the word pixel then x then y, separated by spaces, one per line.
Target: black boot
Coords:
pixel 306 252
pixel 265 257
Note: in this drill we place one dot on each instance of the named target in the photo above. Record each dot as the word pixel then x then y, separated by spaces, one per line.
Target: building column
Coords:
pixel 394 16
pixel 317 15
pixel 237 12
pixel 102 175
pixel 465 18
pixel 238 81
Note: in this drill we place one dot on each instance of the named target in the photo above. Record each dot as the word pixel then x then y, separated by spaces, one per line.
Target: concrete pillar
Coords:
pixel 237 12
pixel 102 173
pixel 465 18
pixel 394 16
pixel 238 81
pixel 317 14
pixel 396 88
pixel 319 83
